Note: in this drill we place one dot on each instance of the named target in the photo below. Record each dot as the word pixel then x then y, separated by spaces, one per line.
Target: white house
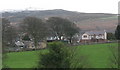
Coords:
pixel 94 36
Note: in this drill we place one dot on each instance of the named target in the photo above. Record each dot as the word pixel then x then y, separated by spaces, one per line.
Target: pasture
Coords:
pixel 92 56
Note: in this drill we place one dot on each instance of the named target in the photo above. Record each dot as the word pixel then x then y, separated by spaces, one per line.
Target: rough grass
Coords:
pixel 98 56
pixel 92 56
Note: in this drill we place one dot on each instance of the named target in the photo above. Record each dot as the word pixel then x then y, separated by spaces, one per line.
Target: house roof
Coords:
pixel 28 43
pixel 18 43
pixel 94 32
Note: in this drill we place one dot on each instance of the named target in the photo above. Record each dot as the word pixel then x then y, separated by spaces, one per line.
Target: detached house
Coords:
pixel 94 36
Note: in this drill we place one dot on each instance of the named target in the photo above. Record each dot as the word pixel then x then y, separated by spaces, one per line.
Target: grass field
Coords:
pixel 0 60
pixel 95 56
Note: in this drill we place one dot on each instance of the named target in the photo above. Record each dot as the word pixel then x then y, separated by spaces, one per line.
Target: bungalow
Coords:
pixel 94 36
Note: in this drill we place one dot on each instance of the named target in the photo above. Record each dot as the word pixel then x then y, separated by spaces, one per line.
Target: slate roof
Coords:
pixel 94 32
pixel 18 43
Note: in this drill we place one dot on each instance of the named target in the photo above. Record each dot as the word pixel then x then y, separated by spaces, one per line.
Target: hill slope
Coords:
pixel 86 21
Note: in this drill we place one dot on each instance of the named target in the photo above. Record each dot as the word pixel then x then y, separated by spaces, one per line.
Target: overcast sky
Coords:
pixel 88 6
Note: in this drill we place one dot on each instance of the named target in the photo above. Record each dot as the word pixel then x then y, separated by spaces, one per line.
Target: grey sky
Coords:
pixel 89 6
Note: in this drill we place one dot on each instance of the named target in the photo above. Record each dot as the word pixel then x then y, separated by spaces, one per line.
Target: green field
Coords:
pixel 0 60
pixel 93 56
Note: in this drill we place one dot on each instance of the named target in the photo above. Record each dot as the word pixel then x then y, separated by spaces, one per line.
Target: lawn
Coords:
pixel 93 56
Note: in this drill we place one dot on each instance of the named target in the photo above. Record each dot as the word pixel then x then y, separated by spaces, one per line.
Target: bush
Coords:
pixel 57 57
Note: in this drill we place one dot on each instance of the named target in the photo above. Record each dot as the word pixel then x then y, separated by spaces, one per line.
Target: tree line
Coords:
pixel 35 29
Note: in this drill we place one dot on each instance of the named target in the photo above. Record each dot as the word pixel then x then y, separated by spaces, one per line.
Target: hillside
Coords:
pixel 86 21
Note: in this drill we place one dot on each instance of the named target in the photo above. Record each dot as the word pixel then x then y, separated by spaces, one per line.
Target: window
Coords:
pixel 85 36
pixel 100 34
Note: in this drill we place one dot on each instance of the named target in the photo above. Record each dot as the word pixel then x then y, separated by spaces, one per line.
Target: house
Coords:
pixel 51 39
pixel 94 36
pixel 56 38
pixel 29 44
pixel 19 44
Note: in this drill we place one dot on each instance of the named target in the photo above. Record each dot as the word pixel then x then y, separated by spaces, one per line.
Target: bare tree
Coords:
pixel 62 27
pixel 8 34
pixel 36 28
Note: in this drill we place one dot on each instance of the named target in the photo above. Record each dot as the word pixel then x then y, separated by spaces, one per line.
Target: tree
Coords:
pixel 62 27
pixel 26 37
pixel 110 36
pixel 117 32
pixel 8 33
pixel 70 31
pixel 57 57
pixel 5 24
pixel 36 28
